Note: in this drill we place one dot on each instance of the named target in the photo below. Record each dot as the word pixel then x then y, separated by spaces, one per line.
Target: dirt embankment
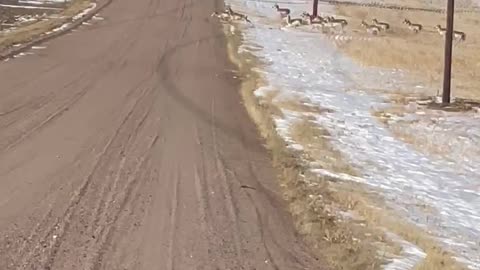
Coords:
pixel 316 202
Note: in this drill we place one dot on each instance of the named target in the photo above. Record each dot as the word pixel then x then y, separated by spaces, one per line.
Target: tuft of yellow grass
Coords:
pixel 30 31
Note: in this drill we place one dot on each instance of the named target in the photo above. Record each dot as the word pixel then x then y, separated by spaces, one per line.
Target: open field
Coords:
pixel 420 54
pixel 23 24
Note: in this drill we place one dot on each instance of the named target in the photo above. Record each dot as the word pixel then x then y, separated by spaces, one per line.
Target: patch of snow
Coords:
pixel 80 15
pixel 306 64
pixel 43 2
pixel 98 18
pixel 338 176
pixel 296 146
pixel 29 7
pixel 262 91
pixel 411 255
pixel 74 18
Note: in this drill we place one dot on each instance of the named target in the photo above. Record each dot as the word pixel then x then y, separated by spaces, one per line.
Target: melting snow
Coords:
pixel 411 255
pixel 85 12
pixel 43 2
pixel 29 7
pixel 74 18
pixel 306 65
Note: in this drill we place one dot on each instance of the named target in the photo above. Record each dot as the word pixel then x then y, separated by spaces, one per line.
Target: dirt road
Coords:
pixel 124 145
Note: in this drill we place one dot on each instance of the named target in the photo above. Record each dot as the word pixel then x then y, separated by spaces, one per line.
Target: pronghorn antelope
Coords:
pixel 315 19
pixel 283 11
pixel 224 16
pixel 236 16
pixel 333 23
pixel 341 21
pixel 414 27
pixel 316 23
pixel 383 25
pixel 460 36
pixel 293 22
pixel 371 29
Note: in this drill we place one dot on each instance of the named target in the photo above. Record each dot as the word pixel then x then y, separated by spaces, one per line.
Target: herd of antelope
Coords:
pixel 331 23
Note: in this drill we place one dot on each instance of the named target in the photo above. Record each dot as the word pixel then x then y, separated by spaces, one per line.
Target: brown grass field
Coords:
pixel 421 54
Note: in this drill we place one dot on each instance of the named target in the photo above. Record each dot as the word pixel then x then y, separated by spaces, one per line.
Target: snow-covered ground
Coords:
pixel 43 2
pixel 306 65
pixel 28 7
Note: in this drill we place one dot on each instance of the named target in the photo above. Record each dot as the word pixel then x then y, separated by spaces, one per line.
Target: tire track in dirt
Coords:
pixel 207 190
pixel 63 225
pixel 202 189
pixel 23 83
pixel 220 170
pixel 106 235
pixel 37 235
pixel 38 104
pixel 173 220
pixel 42 223
pixel 264 235
pixel 110 196
pixel 270 259
pixel 109 191
pixel 105 154
pixel 103 66
pixel 70 100
pixel 50 118
pixel 202 202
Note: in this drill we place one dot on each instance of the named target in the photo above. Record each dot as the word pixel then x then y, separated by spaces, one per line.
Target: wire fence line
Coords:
pixel 397 7
pixel 472 9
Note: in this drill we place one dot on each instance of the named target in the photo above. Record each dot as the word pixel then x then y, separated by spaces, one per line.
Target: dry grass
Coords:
pixel 421 54
pixel 342 244
pixel 315 202
pixel 403 131
pixel 364 203
pixel 298 105
pixel 29 32
pixel 355 197
pixel 315 139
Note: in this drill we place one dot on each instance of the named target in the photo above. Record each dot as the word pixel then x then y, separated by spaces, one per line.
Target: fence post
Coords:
pixel 447 67
pixel 315 8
